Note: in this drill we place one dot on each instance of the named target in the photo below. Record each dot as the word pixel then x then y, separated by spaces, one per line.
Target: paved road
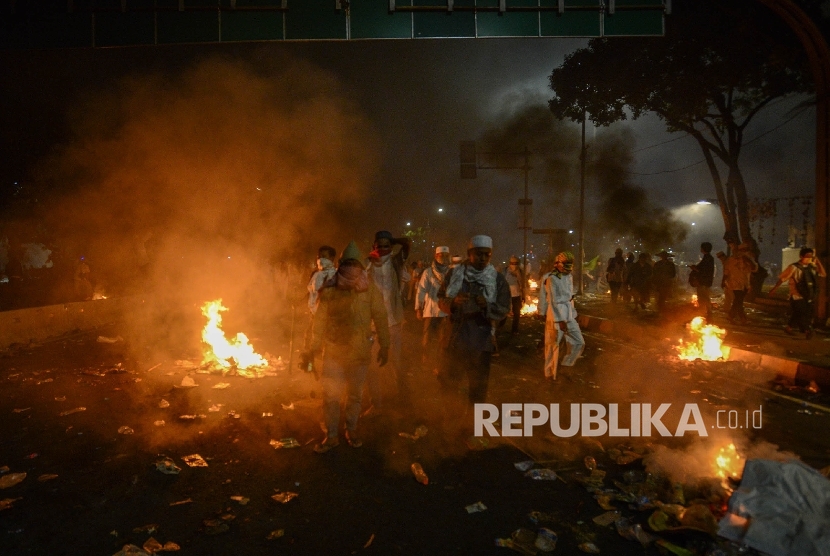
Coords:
pixel 349 501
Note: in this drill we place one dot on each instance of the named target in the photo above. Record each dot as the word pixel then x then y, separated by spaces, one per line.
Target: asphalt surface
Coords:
pixel 109 493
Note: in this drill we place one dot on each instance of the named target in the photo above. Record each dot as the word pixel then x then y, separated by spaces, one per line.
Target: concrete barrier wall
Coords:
pixel 40 323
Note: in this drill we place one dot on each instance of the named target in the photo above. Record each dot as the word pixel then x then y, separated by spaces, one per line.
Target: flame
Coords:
pixel 530 308
pixel 221 351
pixel 728 464
pixel 709 344
pixel 533 284
pixel 694 300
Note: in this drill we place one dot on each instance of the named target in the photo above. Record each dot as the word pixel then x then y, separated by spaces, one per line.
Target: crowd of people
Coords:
pixel 358 307
pixel 636 280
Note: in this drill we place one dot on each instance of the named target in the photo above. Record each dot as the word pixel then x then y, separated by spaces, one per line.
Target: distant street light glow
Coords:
pixel 704 202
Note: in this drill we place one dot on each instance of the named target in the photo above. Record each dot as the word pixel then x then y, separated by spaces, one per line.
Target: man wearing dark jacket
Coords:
pixel 349 304
pixel 705 276
pixel 477 297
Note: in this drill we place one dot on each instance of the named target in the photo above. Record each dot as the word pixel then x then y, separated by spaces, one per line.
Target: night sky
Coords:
pixel 409 102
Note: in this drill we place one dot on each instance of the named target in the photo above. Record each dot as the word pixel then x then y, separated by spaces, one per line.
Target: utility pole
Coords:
pixel 469 167
pixel 582 157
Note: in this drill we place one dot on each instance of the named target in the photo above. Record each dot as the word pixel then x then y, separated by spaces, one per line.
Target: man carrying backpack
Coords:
pixel 615 274
pixel 803 282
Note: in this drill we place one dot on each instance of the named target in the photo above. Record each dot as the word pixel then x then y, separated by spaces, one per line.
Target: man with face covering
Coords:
pixel 557 306
pixel 426 302
pixel 342 332
pixel 386 268
pixel 477 297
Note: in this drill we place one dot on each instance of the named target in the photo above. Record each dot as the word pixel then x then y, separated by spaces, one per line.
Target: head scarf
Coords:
pixel 349 277
pixel 567 260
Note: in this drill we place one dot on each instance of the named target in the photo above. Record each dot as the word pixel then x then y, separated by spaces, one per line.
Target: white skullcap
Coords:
pixel 442 249
pixel 480 241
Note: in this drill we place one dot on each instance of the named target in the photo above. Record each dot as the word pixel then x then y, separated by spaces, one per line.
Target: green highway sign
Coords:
pixel 105 23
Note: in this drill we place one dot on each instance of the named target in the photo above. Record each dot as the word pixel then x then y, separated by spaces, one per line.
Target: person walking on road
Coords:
pixel 639 279
pixel 516 280
pixel 615 274
pixel 386 268
pixel 426 304
pixel 556 306
pixel 802 279
pixel 342 333
pixel 477 297
pixel 736 273
pixel 705 270
pixel 663 275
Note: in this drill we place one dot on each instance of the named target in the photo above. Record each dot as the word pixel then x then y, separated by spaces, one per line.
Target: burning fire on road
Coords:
pixel 707 343
pixel 531 304
pixel 236 354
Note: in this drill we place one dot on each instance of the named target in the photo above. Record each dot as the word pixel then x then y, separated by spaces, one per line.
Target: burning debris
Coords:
pixel 227 354
pixel 707 345
pixel 531 304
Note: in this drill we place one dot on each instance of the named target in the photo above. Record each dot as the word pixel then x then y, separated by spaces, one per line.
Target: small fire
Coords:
pixel 533 284
pixel 709 344
pixel 223 352
pixel 728 464
pixel 530 308
pixel 694 300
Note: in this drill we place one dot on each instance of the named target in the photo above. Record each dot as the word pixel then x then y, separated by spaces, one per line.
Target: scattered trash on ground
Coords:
pixel 125 430
pixel 267 414
pixel 131 550
pixel 26 409
pixel 285 443
pixel 107 340
pixel 419 473
pixel 277 533
pixel 221 385
pixel 187 382
pixel 71 411
pixel 542 474
pixel 589 548
pixel 11 479
pixel 475 508
pixel 6 503
pixel 215 526
pixel 159 423
pixel 606 519
pixel 47 477
pixel 524 465
pixel 289 407
pixel 152 546
pixel 163 404
pixel 195 460
pixel 420 432
pixel 241 499
pixel 779 508
pixel 284 497
pixel 168 467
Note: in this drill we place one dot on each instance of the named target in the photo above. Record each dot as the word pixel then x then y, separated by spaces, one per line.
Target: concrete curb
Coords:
pixel 792 369
pixel 40 323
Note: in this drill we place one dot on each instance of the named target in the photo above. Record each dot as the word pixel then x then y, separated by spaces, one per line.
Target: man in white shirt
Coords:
pixel 557 306
pixel 426 303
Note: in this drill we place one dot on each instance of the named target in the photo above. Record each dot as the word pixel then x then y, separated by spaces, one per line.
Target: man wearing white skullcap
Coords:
pixel 477 297
pixel 426 303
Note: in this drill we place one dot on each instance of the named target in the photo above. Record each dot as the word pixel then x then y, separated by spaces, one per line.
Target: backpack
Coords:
pixel 807 285
pixel 616 271
pixel 694 278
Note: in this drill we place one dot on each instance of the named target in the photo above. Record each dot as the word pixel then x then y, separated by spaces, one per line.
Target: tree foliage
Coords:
pixel 720 63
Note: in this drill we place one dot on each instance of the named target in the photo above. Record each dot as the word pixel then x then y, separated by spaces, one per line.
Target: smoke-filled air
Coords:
pixel 615 204
pixel 200 184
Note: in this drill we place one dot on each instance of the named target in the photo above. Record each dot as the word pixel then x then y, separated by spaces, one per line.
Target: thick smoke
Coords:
pixel 199 184
pixel 614 204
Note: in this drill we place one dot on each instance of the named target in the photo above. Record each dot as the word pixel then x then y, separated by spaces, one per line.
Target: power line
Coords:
pixel 782 124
